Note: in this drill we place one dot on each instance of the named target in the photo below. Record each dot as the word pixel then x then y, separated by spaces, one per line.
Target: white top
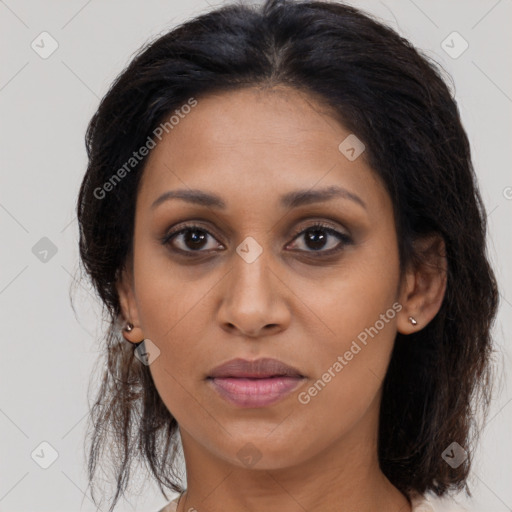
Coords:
pixel 419 504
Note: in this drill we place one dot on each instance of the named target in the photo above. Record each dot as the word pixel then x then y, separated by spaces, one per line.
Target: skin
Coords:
pixel 250 147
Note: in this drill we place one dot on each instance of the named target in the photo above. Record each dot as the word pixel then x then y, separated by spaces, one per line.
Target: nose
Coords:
pixel 254 299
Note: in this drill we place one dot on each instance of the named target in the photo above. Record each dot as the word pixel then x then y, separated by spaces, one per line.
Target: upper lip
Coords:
pixel 260 368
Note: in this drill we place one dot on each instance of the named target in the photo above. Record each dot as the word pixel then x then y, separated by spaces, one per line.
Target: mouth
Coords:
pixel 259 369
pixel 257 383
pixel 254 392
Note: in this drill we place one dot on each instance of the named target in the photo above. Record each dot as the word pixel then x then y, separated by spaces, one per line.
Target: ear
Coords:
pixel 126 292
pixel 424 286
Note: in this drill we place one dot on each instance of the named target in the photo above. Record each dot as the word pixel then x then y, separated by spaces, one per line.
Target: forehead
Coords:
pixel 254 142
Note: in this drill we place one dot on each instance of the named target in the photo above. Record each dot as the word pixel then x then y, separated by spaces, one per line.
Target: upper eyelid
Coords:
pixel 344 221
pixel 197 225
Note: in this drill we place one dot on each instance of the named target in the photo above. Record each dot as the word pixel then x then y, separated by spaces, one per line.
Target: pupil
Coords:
pixel 316 237
pixel 194 239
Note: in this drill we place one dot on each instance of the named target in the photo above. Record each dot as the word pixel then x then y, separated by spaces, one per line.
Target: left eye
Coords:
pixel 316 238
pixel 195 239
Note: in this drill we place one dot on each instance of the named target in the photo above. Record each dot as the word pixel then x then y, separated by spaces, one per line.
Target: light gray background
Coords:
pixel 48 353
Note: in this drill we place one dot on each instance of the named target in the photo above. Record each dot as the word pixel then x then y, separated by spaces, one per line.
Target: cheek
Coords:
pixel 357 331
pixel 165 293
pixel 355 296
pixel 177 371
pixel 170 308
pixel 350 368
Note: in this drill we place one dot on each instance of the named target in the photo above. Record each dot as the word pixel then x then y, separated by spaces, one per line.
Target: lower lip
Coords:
pixel 245 392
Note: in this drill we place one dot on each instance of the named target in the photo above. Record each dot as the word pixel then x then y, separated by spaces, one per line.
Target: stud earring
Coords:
pixel 129 328
pixel 413 320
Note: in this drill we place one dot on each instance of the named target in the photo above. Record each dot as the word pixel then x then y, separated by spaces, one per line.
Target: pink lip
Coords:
pixel 259 392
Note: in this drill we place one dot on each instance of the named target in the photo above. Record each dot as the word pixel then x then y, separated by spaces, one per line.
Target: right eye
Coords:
pixel 190 238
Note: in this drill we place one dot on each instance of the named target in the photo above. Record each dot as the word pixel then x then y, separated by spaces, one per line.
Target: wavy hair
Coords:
pixel 397 102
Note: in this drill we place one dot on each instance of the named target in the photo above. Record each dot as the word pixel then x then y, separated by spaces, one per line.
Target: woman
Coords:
pixel 281 216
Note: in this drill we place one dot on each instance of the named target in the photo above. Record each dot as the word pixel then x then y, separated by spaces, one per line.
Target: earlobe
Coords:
pixel 129 326
pixel 424 286
pixel 407 318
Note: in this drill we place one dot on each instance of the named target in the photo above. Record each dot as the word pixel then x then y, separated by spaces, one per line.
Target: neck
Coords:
pixel 343 477
pixel 272 494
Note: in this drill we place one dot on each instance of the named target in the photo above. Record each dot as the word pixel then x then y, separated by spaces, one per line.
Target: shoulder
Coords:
pixel 171 506
pixel 432 503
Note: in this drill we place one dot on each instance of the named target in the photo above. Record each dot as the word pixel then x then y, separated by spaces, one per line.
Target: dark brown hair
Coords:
pixel 395 100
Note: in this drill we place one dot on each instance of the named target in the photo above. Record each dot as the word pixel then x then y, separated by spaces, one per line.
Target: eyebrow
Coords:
pixel 290 200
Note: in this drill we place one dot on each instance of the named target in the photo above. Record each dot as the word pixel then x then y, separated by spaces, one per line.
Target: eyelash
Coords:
pixel 344 239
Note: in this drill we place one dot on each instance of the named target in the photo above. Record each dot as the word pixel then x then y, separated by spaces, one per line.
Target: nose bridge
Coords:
pixel 250 275
pixel 250 300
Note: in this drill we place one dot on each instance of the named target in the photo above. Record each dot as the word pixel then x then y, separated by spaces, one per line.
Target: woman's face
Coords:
pixel 255 279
